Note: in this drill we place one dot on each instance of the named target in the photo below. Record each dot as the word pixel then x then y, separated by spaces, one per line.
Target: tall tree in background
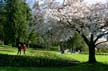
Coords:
pixel 17 20
pixel 2 17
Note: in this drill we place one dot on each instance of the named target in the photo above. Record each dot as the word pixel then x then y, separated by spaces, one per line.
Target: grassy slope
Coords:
pixel 79 67
pixel 30 52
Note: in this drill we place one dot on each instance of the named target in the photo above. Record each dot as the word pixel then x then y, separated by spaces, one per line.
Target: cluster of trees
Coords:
pixel 15 16
pixel 74 44
pixel 18 23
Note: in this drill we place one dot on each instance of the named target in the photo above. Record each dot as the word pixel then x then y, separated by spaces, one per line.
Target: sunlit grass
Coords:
pixel 52 54
pixel 79 57
pixel 55 54
pixel 102 58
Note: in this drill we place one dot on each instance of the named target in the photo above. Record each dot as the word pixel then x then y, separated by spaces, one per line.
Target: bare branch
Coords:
pixel 69 23
pixel 103 26
pixel 85 39
pixel 101 42
pixel 100 36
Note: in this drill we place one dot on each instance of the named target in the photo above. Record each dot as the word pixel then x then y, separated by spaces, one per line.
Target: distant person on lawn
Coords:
pixel 19 48
pixel 24 47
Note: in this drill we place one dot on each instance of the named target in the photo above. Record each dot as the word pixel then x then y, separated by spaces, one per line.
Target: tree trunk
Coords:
pixel 92 58
pixel 6 42
pixel 91 45
pixel 17 41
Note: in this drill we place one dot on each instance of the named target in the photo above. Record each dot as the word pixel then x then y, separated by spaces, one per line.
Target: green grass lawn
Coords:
pixel 54 54
pixel 45 53
pixel 84 57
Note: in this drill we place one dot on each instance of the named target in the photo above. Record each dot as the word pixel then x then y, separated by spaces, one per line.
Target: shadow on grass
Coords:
pixel 46 64
pixel 32 61
pixel 89 67
pixel 78 67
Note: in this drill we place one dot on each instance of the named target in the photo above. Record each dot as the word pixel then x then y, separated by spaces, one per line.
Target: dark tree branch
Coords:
pixel 77 30
pixel 69 23
pixel 101 42
pixel 103 26
pixel 92 37
pixel 86 39
pixel 100 36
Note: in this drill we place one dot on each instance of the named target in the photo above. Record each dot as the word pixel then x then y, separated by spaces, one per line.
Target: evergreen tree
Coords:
pixel 17 20
pixel 2 17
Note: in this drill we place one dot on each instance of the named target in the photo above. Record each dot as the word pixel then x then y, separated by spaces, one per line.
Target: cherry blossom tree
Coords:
pixel 90 21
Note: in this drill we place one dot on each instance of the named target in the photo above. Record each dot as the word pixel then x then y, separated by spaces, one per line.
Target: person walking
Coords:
pixel 19 49
pixel 24 47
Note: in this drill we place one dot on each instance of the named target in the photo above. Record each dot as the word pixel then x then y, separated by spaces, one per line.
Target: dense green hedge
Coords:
pixel 28 61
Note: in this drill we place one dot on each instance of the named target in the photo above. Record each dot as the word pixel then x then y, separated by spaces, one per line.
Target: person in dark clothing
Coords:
pixel 62 48
pixel 19 48
pixel 24 47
